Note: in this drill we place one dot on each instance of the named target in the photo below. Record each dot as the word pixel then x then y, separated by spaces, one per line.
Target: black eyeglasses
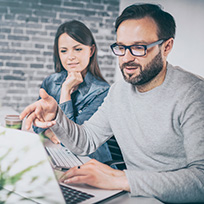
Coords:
pixel 135 50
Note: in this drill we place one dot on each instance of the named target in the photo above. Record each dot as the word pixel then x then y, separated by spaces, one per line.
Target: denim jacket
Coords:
pixel 85 102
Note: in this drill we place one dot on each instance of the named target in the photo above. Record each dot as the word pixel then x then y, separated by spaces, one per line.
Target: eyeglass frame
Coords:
pixel 158 42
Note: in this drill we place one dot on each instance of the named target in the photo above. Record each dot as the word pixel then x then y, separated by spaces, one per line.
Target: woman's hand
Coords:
pixel 95 173
pixel 72 81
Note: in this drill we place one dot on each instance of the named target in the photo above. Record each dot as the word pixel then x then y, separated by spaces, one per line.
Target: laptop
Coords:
pixel 26 171
pixel 61 157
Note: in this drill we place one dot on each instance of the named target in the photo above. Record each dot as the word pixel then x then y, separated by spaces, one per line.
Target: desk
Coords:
pixel 125 198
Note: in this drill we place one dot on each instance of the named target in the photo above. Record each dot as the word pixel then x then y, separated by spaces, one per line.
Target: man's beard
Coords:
pixel 150 71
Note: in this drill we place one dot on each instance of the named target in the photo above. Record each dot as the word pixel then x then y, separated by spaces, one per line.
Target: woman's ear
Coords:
pixel 168 45
pixel 93 47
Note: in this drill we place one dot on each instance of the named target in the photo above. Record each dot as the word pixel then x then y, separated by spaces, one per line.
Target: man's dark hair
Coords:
pixel 165 21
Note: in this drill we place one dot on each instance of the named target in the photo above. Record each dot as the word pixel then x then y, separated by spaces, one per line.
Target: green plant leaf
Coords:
pixel 13 179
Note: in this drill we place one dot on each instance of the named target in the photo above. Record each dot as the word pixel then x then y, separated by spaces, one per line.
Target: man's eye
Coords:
pixel 137 47
pixel 120 47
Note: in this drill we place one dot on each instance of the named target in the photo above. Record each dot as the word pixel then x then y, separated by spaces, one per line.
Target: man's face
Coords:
pixel 139 70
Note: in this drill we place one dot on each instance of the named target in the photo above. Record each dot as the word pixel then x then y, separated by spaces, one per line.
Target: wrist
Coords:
pixel 67 88
pixel 65 95
pixel 122 181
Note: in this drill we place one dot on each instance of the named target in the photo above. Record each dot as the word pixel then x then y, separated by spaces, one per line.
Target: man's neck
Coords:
pixel 157 81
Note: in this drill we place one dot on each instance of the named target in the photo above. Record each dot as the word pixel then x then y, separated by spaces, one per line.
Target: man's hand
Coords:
pixel 48 133
pixel 42 112
pixel 95 173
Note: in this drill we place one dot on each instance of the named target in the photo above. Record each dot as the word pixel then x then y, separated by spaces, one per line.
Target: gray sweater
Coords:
pixel 160 133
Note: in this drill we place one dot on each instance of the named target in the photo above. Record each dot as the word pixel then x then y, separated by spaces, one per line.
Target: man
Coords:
pixel 156 115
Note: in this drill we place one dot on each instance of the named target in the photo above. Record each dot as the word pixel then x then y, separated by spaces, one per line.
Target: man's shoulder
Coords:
pixel 184 77
pixel 183 84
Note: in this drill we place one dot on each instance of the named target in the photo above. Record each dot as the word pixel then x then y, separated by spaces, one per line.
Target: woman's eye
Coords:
pixel 78 49
pixel 62 51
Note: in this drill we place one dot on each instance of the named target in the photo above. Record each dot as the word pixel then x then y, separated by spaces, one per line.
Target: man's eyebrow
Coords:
pixel 134 43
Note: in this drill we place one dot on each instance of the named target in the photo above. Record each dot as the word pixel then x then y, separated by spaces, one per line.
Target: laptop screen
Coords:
pixel 25 169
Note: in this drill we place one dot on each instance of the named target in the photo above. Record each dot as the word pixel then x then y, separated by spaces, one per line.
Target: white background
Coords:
pixel 188 50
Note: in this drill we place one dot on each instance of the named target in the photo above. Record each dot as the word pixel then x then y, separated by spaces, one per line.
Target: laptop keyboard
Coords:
pixel 62 157
pixel 72 196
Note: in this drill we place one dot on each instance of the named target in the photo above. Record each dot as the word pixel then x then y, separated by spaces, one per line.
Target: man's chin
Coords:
pixel 129 76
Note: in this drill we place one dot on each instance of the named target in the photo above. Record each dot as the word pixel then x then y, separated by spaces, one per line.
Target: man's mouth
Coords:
pixel 130 69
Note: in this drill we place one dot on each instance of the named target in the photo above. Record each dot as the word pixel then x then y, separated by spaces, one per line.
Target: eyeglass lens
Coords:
pixel 134 49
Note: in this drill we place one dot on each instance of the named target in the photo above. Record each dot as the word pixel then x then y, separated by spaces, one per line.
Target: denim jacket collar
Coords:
pixel 60 80
pixel 83 87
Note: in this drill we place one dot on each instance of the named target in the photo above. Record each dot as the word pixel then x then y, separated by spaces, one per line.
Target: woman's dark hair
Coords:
pixel 79 32
pixel 165 22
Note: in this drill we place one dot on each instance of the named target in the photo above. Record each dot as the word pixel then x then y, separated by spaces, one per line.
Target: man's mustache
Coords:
pixel 131 64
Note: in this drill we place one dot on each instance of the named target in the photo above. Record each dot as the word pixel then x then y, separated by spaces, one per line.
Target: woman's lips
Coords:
pixel 72 65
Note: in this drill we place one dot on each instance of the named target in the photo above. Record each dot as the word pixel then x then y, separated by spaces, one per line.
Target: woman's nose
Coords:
pixel 71 56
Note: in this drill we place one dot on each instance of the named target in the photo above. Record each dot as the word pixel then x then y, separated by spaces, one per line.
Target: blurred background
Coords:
pixel 27 30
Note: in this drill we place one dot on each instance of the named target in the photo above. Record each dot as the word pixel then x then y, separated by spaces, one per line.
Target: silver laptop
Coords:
pixel 25 170
pixel 61 157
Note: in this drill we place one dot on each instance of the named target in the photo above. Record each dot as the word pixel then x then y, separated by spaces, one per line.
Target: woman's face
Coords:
pixel 74 56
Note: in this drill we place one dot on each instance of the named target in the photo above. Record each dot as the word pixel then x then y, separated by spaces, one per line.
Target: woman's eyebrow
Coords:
pixel 64 47
pixel 76 45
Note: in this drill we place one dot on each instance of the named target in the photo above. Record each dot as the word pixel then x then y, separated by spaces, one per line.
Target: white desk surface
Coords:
pixel 125 198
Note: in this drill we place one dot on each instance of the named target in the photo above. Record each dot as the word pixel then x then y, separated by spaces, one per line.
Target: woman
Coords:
pixel 77 85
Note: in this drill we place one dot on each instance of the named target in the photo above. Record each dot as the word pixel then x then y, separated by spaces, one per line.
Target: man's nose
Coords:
pixel 128 56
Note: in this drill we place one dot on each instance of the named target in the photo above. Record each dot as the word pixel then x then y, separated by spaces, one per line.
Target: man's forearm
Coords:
pixel 70 134
pixel 181 186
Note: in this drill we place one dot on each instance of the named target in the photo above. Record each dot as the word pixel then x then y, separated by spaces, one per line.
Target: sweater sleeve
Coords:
pixel 184 185
pixel 83 139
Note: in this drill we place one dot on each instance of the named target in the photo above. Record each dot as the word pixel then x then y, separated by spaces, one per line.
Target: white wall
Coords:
pixel 188 51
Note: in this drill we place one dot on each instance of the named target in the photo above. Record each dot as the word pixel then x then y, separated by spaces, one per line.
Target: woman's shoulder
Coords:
pixel 56 77
pixel 97 86
pixel 100 84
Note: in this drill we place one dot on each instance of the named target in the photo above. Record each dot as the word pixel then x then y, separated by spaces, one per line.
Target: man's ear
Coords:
pixel 93 47
pixel 168 45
